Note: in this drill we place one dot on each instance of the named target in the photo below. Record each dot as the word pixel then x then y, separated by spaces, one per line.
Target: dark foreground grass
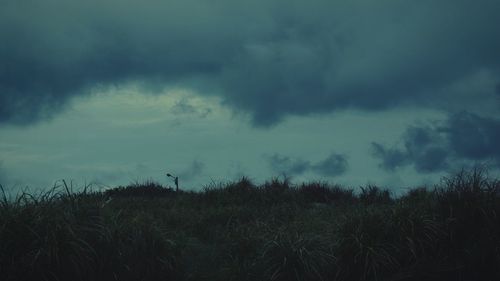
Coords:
pixel 240 231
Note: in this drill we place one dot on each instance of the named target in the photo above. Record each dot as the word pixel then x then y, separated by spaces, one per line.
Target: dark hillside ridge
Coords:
pixel 240 231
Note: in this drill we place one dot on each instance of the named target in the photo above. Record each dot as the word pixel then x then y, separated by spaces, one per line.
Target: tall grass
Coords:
pixel 242 231
pixel 62 235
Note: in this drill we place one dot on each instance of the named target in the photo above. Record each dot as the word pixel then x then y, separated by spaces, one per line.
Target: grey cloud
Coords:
pixel 183 106
pixel 333 165
pixel 463 137
pixel 422 145
pixel 193 170
pixel 392 158
pixel 431 159
pixel 267 58
pixel 284 165
pixel 474 137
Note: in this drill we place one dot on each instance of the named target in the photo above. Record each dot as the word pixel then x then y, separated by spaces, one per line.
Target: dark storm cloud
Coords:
pixel 285 165
pixel 267 58
pixel 333 165
pixel 462 137
pixel 474 137
pixel 392 158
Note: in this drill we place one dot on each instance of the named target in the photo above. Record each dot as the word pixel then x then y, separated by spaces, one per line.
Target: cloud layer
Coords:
pixel 333 165
pixel 267 58
pixel 463 138
pixel 194 170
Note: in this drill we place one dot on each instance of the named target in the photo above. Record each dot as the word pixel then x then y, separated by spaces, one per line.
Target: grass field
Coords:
pixel 239 231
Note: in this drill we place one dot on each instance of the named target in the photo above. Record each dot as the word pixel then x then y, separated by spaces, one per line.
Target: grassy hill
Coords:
pixel 239 231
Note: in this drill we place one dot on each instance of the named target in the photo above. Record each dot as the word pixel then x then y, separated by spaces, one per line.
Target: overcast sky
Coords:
pixel 394 93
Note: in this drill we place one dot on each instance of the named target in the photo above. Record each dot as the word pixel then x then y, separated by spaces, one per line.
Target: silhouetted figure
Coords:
pixel 176 181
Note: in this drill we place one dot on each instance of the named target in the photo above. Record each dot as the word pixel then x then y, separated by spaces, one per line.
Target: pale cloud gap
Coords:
pixel 269 59
pixel 3 175
pixel 185 107
pixel 128 106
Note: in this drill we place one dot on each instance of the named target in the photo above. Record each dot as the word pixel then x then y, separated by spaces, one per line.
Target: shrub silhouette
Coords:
pixel 242 231
pixel 146 189
pixel 374 195
pixel 323 193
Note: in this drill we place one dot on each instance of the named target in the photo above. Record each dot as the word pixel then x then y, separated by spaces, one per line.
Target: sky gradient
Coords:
pixel 395 93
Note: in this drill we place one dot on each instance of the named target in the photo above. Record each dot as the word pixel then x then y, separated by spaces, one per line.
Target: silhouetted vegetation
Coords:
pixel 241 231
pixel 146 189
